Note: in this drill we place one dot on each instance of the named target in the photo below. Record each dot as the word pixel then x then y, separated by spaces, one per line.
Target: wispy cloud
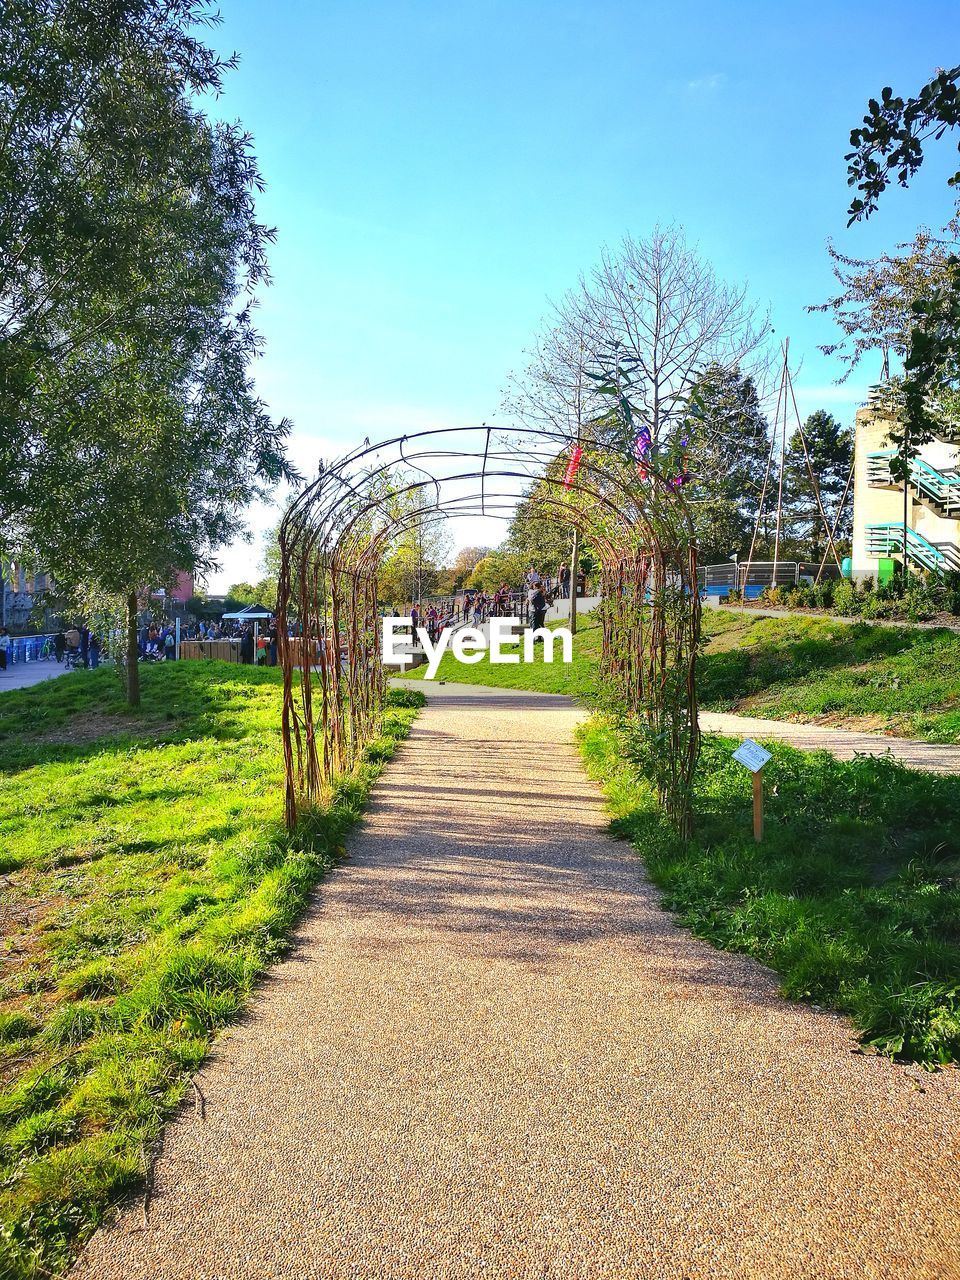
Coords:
pixel 704 85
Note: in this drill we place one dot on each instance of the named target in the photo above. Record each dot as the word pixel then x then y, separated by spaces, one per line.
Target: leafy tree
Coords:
pixel 830 450
pixel 536 537
pixel 263 593
pixel 888 145
pixel 875 305
pixel 727 448
pixel 411 568
pixel 129 254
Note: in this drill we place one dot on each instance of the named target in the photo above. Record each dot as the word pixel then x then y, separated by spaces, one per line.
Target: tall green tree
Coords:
pixel 130 252
pixel 829 446
pixel 727 447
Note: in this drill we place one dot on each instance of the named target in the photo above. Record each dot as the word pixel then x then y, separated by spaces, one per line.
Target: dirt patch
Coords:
pixel 890 725
pixel 95 725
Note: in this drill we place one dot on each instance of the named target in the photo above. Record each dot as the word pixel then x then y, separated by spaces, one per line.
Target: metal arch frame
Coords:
pixel 337 530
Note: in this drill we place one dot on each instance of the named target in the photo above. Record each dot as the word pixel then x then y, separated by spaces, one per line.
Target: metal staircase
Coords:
pixel 939 490
pixel 887 539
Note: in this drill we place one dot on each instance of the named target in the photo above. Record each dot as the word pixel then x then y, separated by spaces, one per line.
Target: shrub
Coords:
pixel 845 600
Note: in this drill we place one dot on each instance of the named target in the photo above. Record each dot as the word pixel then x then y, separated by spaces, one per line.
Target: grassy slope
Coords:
pixel 146 882
pixel 899 680
pixel 853 896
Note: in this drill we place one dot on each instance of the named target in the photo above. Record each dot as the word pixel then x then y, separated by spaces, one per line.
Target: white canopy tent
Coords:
pixel 250 613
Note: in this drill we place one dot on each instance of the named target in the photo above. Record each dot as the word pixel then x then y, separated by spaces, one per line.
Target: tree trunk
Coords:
pixel 133 652
pixel 574 575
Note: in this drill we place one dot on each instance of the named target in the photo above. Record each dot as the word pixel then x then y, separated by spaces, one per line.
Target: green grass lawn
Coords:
pixel 903 681
pixel 899 680
pixel 146 882
pixel 853 896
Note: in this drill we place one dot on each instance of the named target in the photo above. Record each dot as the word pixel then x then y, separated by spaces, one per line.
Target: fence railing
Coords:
pixel 752 579
pixel 30 648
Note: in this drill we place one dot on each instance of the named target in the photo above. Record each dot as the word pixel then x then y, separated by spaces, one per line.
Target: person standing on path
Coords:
pixel 538 608
pixel 4 648
pixel 246 646
pixel 563 578
pixel 59 644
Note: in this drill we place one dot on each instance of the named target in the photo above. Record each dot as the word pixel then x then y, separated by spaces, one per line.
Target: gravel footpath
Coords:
pixel 492 1055
pixel 931 757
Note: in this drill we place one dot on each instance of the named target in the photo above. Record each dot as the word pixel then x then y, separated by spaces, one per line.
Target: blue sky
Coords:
pixel 438 171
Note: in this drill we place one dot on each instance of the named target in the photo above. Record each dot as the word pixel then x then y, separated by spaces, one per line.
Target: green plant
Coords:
pixel 852 897
pixel 166 886
pixel 17 1026
pixel 845 599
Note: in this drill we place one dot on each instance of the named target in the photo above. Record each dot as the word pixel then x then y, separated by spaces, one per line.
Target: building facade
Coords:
pixel 20 590
pixel 932 506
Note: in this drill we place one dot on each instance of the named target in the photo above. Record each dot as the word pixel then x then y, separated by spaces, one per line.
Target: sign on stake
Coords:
pixel 754 757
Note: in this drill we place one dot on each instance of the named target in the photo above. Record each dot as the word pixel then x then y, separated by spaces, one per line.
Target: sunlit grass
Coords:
pixel 853 896
pixel 149 882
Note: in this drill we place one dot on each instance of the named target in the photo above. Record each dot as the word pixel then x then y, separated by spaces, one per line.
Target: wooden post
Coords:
pixel 574 570
pixel 758 806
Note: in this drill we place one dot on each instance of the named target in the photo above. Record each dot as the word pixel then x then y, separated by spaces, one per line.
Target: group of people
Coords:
pixel 256 645
pixel 78 646
pixel 555 590
pixel 430 617
pixel 477 606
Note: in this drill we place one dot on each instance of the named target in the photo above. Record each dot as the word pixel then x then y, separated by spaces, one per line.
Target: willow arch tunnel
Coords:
pixel 337 531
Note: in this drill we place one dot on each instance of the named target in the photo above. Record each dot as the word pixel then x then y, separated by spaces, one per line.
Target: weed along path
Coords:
pixel 492 1054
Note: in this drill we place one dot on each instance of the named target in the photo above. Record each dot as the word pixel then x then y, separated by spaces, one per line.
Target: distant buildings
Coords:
pixel 24 605
pixel 20 589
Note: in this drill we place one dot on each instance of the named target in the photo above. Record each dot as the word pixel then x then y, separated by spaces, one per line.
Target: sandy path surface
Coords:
pixel 931 757
pixel 493 1055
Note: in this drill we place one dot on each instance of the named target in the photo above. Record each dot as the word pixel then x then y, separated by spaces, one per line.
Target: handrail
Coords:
pixel 917 544
pixel 919 464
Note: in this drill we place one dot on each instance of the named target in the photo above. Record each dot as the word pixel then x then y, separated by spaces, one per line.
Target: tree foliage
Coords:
pixel 130 250
pixel 829 446
pixel 875 305
pixel 889 144
pixel 726 441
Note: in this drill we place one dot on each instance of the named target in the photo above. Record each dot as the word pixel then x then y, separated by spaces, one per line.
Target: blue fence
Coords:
pixel 30 648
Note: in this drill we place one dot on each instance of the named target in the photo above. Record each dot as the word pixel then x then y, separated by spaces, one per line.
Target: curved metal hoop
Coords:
pixel 335 535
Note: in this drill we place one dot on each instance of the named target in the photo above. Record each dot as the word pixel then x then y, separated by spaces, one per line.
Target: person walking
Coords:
pixel 93 651
pixel 85 646
pixel 538 608
pixel 4 648
pixel 59 644
pixel 563 578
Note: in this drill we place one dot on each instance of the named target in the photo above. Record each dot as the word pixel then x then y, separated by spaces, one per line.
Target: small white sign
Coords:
pixel 752 755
